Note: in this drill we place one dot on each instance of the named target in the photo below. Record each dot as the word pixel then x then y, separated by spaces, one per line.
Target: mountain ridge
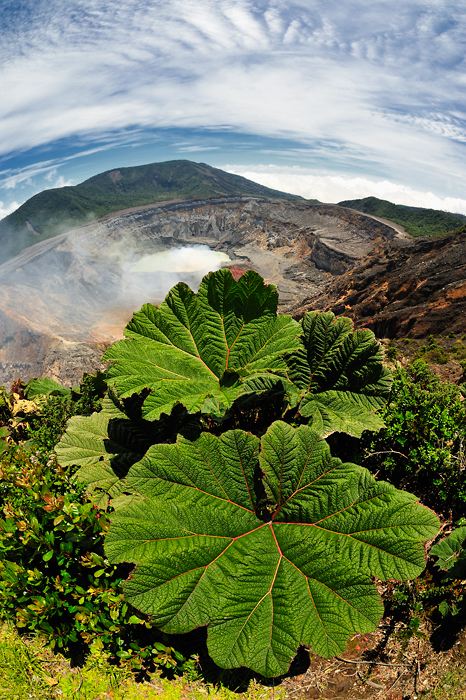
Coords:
pixel 54 211
pixel 402 288
pixel 417 221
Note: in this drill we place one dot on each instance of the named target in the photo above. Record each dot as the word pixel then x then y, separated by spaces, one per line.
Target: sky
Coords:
pixel 327 99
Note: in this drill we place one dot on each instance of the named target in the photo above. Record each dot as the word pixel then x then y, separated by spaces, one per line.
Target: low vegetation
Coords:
pixel 416 220
pixel 220 448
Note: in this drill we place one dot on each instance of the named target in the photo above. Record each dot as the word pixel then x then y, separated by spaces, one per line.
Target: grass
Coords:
pixel 30 671
pixel 451 687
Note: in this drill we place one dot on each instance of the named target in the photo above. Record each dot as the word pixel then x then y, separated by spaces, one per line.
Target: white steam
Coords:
pixel 149 277
pixel 193 259
pixel 84 287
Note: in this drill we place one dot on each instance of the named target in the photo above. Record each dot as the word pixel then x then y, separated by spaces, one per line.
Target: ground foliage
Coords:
pixel 423 442
pixel 421 449
pixel 55 580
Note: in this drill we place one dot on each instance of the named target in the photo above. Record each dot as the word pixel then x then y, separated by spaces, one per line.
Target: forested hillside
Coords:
pixel 416 221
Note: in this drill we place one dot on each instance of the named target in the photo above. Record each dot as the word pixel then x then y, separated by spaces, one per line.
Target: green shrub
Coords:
pixel 432 352
pixel 459 352
pixel 436 356
pixel 422 446
pixel 46 426
pixel 54 577
pixel 38 412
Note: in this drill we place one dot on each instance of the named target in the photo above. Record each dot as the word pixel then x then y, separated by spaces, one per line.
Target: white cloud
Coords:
pixel 384 82
pixel 8 209
pixel 194 149
pixel 62 182
pixel 48 169
pixel 336 188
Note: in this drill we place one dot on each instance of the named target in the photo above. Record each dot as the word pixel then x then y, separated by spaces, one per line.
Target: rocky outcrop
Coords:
pixel 63 300
pixel 402 289
pixel 24 350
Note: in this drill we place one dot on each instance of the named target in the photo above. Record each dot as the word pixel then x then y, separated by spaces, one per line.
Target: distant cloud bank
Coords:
pixel 336 188
pixel 4 211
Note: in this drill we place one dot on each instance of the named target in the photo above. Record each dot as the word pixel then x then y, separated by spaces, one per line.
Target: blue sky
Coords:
pixel 323 98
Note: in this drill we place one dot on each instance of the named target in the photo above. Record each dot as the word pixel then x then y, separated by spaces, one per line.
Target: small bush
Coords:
pixel 421 449
pixel 436 356
pixel 54 578
pixel 459 352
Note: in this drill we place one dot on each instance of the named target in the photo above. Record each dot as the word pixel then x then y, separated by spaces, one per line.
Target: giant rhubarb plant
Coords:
pixel 261 535
pixel 339 376
pixel 272 543
pixel 198 349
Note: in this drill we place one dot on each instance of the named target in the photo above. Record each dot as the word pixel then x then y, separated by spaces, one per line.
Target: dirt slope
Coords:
pixel 402 289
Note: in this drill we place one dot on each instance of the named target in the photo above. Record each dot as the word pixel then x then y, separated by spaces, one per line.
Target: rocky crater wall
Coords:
pixel 402 289
pixel 63 300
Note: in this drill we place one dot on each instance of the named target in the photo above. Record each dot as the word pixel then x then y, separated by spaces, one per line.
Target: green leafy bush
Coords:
pixel 211 350
pixel 391 352
pixel 422 446
pixel 54 577
pixel 210 447
pixel 38 411
pixel 436 356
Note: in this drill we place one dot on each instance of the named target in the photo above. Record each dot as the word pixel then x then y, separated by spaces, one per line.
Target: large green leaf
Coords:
pixel 45 387
pixel 451 553
pixel 340 376
pixel 264 580
pixel 197 349
pixel 104 445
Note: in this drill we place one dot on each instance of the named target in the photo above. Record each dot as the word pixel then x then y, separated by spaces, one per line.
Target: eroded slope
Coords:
pixel 403 289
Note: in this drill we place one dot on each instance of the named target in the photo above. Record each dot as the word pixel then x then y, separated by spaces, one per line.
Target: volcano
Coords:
pixel 64 299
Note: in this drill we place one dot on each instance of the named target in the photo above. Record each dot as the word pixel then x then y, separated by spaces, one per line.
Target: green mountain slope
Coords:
pixel 53 211
pixel 416 221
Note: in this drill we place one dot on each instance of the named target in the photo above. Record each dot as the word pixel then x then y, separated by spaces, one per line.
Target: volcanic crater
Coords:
pixel 65 299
